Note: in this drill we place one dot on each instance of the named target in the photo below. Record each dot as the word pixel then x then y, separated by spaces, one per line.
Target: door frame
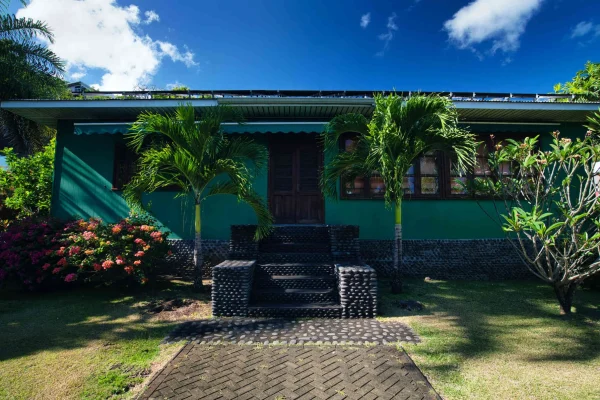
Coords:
pixel 294 140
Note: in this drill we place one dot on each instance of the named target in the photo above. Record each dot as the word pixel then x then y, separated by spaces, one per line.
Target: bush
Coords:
pixel 49 253
pixel 26 185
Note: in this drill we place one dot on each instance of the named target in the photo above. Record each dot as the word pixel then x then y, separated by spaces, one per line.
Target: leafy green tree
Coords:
pixel 549 208
pixel 585 83
pixel 400 131
pixel 197 158
pixel 26 185
pixel 29 70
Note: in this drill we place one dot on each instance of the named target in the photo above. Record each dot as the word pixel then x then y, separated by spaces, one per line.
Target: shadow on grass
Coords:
pixel 495 315
pixel 34 322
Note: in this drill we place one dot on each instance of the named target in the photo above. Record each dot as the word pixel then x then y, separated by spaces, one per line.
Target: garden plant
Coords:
pixel 400 131
pixel 199 160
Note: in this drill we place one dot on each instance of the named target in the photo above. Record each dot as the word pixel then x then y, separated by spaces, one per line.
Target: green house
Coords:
pixel 448 235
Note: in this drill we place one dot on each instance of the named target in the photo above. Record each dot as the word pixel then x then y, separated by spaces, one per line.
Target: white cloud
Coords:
pixel 501 21
pixel 389 35
pixel 365 20
pixel 172 51
pixel 99 34
pixel 151 16
pixel 392 22
pixel 582 29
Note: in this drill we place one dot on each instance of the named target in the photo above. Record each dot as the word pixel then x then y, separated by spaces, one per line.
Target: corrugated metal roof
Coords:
pixel 48 112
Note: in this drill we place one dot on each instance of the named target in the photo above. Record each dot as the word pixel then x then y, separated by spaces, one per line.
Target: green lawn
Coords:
pixel 485 340
pixel 86 343
pixel 480 340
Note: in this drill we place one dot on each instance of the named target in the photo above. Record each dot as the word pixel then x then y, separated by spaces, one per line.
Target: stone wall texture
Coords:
pixel 357 285
pixel 181 262
pixel 474 259
pixel 231 288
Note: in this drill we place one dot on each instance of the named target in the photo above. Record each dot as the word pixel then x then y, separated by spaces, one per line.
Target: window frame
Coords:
pixel 121 150
pixel 445 177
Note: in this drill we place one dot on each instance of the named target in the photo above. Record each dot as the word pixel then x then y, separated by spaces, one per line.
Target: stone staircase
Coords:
pixel 294 275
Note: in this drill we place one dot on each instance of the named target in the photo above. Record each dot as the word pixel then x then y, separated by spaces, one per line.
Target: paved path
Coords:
pixel 281 331
pixel 230 370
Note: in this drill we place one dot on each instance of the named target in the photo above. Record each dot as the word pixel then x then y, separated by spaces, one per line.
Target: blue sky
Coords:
pixel 457 45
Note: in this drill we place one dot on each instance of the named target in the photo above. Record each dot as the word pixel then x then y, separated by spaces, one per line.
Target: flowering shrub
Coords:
pixel 46 253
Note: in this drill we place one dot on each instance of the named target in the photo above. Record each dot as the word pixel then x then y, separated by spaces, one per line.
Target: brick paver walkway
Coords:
pixel 232 371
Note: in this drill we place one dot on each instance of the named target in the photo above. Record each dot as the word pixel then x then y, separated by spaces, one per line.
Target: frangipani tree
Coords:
pixel 549 206
pixel 400 131
pixel 176 150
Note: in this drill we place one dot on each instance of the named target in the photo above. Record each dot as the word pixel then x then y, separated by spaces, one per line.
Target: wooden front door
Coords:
pixel 294 193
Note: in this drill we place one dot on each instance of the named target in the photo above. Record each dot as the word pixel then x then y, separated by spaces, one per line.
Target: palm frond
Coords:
pixel 37 56
pixel 23 29
pixel 341 124
pixel 253 199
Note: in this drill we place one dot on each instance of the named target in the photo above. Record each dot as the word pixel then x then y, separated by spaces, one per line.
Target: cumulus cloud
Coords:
pixel 151 16
pixel 500 21
pixel 389 35
pixel 365 20
pixel 99 34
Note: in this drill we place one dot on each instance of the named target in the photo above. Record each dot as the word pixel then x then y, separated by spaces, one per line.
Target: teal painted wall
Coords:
pixel 83 188
pixel 83 182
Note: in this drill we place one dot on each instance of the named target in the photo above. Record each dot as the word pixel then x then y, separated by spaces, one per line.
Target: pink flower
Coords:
pixel 139 254
pixel 137 262
pixel 45 266
pixel 60 252
pixel 56 270
pixel 120 260
pixel 116 229
pixel 70 278
pixel 156 234
pixel 129 270
pixel 139 241
pixel 87 235
pixel 107 264
pixel 62 262
pixel 97 267
pixel 74 250
pixel 146 228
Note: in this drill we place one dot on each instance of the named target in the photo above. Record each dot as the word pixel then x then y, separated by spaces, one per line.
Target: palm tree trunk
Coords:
pixel 198 259
pixel 396 281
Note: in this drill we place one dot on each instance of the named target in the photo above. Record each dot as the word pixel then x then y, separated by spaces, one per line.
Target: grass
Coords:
pixel 86 343
pixel 484 340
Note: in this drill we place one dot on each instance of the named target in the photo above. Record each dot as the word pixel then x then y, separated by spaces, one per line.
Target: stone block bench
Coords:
pixel 357 284
pixel 231 288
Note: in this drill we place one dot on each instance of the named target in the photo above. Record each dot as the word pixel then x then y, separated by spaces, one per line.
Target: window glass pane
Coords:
pixel 429 185
pixel 456 187
pixel 355 189
pixel 505 168
pixel 376 185
pixel 428 166
pixel 411 170
pixel 409 185
pixel 349 144
pixel 482 166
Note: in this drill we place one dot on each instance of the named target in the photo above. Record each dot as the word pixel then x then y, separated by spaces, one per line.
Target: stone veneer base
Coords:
pixel 473 259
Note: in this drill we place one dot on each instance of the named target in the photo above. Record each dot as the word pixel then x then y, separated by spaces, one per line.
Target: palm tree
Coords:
pixel 197 158
pixel 400 131
pixel 29 70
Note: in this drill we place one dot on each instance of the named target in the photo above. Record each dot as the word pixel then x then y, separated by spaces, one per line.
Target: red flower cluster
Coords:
pixel 54 253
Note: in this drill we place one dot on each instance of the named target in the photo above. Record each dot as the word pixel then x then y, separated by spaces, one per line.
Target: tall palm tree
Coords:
pixel 198 159
pixel 400 131
pixel 29 70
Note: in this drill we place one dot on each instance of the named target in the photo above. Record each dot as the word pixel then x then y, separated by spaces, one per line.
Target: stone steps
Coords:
pixel 295 269
pixel 296 282
pixel 295 248
pixel 322 310
pixel 287 258
pixel 279 295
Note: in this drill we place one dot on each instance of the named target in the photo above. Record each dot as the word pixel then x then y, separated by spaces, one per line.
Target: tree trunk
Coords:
pixel 198 259
pixel 396 279
pixel 564 293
